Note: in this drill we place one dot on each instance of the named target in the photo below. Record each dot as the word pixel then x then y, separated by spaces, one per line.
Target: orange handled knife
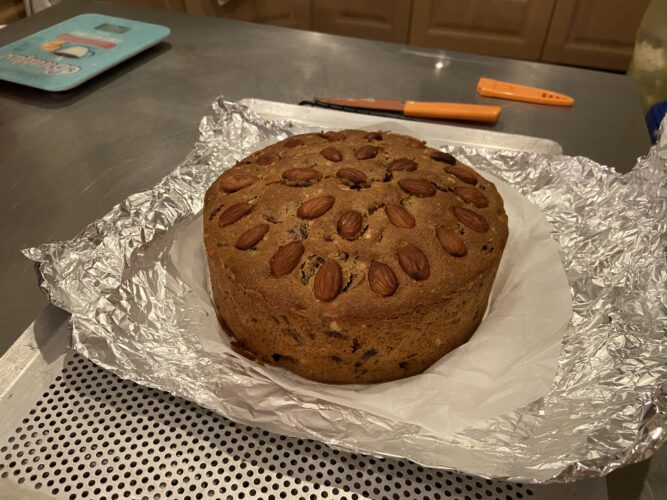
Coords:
pixel 441 110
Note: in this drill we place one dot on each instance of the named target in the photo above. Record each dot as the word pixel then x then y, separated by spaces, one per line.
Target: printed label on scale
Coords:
pixel 69 53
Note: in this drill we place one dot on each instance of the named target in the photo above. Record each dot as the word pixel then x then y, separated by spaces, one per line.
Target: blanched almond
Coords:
pixel 472 195
pixel 443 157
pixel 463 173
pixel 328 281
pixel 352 177
pixel 233 213
pixel 403 165
pixel 451 242
pixel 471 219
pixel 332 154
pixel 373 136
pixel 286 258
pixel 399 216
pixel 267 159
pixel 293 143
pixel 251 237
pixel 233 181
pixel 349 224
pixel 414 262
pixel 366 152
pixel 417 187
pixel 382 279
pixel 301 177
pixel 315 207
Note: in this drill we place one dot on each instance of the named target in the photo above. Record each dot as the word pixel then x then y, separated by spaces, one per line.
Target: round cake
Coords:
pixel 352 256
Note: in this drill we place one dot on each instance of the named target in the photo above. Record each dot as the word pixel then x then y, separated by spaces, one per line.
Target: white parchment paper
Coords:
pixel 510 361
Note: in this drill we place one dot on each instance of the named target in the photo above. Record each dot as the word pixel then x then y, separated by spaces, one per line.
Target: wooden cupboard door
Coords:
pixel 594 33
pixel 11 10
pixel 504 28
pixel 177 5
pixel 387 20
pixel 287 13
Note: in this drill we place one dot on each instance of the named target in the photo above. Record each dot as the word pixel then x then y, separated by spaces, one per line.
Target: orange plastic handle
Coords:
pixel 452 111
pixel 515 92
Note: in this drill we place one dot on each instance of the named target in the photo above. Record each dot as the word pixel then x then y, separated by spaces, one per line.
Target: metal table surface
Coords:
pixel 67 158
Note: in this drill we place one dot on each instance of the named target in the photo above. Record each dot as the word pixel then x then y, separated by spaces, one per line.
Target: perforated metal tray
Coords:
pixel 69 429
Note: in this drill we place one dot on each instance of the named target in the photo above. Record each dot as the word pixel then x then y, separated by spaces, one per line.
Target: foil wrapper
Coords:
pixel 606 407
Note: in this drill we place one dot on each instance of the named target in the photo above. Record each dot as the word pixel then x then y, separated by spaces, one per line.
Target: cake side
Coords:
pixel 340 236
pixel 344 349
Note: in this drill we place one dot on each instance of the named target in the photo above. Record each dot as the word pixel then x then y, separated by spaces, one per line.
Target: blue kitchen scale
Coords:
pixel 74 51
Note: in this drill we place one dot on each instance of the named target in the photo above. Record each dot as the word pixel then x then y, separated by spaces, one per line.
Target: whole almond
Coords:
pixel 373 136
pixel 451 242
pixel 471 219
pixel 286 258
pixel 403 165
pixel 332 154
pixel 472 195
pixel 251 237
pixel 463 173
pixel 328 281
pixel 414 262
pixel 352 177
pixel 418 187
pixel 399 216
pixel 233 213
pixel 267 159
pixel 292 143
pixel 234 181
pixel 366 152
pixel 304 176
pixel 382 279
pixel 350 224
pixel 315 207
pixel 443 157
pixel 332 136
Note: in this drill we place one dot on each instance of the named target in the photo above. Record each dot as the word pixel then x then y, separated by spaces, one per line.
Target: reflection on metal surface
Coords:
pixel 445 55
pixel 606 407
pixel 443 63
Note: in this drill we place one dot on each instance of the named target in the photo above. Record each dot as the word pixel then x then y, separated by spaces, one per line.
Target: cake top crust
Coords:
pixel 353 224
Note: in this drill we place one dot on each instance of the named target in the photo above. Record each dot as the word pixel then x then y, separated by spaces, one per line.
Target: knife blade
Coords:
pixel 440 110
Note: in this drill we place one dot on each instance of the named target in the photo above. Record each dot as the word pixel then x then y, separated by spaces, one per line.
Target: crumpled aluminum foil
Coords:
pixel 607 405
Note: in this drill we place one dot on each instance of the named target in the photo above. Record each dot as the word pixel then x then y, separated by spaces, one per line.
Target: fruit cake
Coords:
pixel 352 256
